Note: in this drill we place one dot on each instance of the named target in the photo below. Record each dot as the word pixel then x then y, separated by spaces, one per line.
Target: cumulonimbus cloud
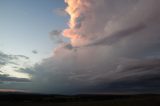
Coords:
pixel 112 46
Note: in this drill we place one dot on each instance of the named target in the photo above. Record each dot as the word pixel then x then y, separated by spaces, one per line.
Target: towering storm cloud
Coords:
pixel 114 47
pixel 95 21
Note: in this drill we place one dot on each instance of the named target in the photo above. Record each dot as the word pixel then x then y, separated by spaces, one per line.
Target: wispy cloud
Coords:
pixel 7 78
pixel 56 36
pixel 7 58
pixel 60 11
pixel 34 51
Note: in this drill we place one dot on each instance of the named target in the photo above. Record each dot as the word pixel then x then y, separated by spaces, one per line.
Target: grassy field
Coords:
pixel 92 100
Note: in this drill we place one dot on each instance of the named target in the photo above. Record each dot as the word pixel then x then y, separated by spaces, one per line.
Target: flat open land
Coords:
pixel 78 100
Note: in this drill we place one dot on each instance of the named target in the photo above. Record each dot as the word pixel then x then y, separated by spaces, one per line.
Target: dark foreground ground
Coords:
pixel 20 99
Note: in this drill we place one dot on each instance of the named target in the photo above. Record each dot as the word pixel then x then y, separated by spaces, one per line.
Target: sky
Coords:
pixel 26 26
pixel 80 46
